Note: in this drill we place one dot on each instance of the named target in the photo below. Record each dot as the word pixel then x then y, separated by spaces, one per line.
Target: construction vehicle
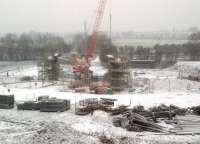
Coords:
pixel 82 63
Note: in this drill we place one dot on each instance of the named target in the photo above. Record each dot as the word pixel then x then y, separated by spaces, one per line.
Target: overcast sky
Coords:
pixel 65 16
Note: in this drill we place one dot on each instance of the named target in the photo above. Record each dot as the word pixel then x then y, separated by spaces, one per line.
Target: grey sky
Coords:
pixel 68 15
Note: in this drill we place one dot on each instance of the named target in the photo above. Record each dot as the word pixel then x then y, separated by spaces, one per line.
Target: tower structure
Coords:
pixel 118 74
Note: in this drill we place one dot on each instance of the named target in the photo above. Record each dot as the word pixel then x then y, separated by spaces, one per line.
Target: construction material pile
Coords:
pixel 135 122
pixel 46 104
pixel 100 88
pixel 94 87
pixel 196 110
pixel 87 106
pixel 138 119
pixel 7 101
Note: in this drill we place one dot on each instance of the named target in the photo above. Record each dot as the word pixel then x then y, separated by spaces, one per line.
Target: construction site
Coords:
pixel 78 98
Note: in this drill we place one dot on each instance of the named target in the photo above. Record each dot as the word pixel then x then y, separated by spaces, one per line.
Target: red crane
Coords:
pixel 97 24
pixel 92 39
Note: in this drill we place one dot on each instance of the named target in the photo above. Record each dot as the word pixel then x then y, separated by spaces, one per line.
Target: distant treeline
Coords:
pixel 34 46
pixel 164 55
pixel 31 46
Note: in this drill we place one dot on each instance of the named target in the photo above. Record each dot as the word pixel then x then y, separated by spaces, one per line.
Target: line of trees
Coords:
pixel 34 46
pixel 31 46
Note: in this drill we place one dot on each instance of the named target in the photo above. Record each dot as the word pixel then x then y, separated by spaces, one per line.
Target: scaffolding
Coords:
pixel 86 77
pixel 119 74
pixel 50 69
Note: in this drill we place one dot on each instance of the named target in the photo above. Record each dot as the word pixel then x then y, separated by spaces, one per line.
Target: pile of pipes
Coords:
pixel 136 122
pixel 138 119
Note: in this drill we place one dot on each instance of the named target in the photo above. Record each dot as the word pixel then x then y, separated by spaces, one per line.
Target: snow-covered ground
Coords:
pixel 188 68
pixel 11 72
pixel 97 68
pixel 35 127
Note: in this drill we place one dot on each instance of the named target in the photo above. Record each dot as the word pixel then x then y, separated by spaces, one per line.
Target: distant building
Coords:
pixel 133 63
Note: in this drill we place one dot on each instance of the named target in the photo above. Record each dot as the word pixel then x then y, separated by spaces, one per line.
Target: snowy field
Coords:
pixel 22 127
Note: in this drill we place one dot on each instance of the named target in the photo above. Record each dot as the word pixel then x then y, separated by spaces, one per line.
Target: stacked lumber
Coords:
pixel 107 104
pixel 107 101
pixel 80 89
pixel 196 110
pixel 29 105
pixel 101 90
pixel 89 105
pixel 7 101
pixel 45 104
pixel 54 105
pixel 120 110
pixel 83 110
pixel 42 98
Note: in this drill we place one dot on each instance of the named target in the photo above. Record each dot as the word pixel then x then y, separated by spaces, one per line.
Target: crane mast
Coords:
pixel 97 24
pixel 79 63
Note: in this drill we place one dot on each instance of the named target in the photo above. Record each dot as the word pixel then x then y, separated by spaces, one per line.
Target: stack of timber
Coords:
pixel 196 110
pixel 54 105
pixel 107 104
pixel 29 105
pixel 7 101
pixel 108 101
pixel 120 110
pixel 100 88
pixel 46 104
pixel 83 110
pixel 42 98
pixel 87 106
pixel 90 105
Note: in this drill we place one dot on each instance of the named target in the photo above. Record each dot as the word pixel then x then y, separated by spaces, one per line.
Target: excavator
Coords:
pixel 83 63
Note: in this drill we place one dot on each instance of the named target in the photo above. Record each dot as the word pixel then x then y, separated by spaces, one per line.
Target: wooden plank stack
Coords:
pixel 7 101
